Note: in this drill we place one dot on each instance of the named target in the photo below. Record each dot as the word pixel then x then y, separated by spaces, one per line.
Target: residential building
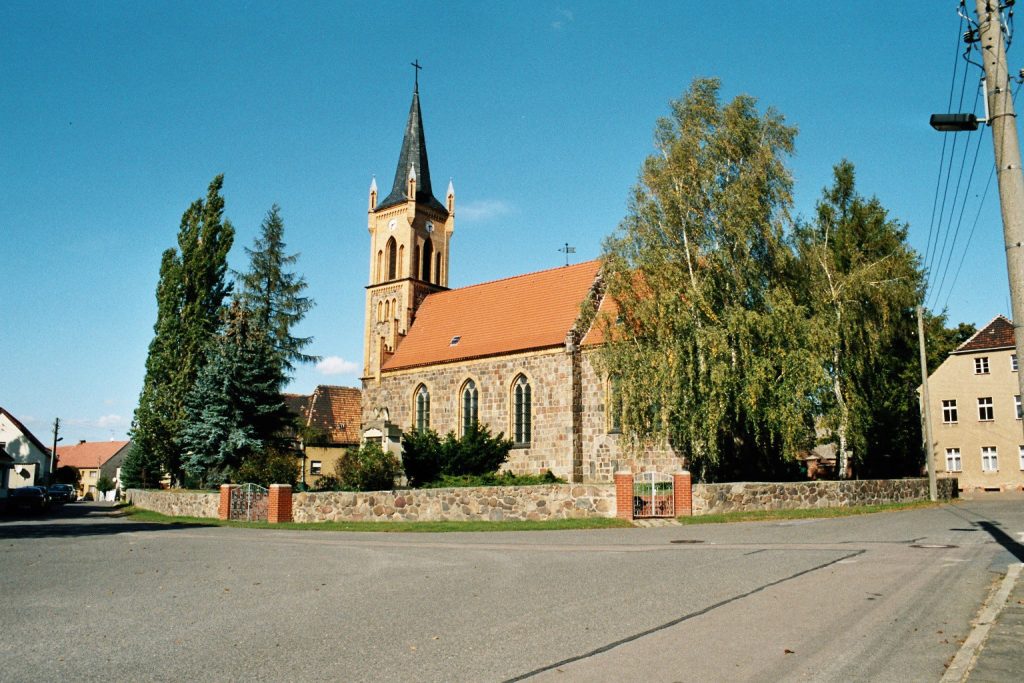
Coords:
pixel 514 354
pixel 975 410
pixel 31 459
pixel 94 459
pixel 330 420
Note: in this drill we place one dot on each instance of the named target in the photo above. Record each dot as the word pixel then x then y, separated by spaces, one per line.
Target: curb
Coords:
pixel 964 661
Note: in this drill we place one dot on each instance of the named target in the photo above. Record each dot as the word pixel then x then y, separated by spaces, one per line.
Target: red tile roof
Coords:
pixel 998 334
pixel 88 454
pixel 333 411
pixel 522 313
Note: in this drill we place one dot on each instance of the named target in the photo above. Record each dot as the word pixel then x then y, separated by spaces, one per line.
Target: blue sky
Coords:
pixel 115 116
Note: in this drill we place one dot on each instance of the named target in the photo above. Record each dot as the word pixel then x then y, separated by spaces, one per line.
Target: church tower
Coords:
pixel 410 233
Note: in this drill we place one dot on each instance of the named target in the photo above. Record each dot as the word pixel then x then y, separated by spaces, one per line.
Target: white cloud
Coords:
pixel 483 210
pixel 108 421
pixel 103 422
pixel 335 365
pixel 565 16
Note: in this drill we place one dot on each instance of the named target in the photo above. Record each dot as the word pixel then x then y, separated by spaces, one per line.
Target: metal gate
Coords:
pixel 653 495
pixel 249 502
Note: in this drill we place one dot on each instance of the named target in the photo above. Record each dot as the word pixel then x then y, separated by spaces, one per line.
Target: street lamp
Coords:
pixel 954 123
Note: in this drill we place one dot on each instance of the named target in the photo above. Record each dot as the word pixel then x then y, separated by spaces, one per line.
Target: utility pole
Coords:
pixel 53 453
pixel 1003 121
pixel 929 445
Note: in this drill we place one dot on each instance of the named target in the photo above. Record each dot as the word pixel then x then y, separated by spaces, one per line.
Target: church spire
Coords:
pixel 412 161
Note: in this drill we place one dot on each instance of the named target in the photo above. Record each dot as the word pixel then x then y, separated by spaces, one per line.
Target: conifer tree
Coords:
pixel 273 294
pixel 190 296
pixel 235 410
pixel 709 348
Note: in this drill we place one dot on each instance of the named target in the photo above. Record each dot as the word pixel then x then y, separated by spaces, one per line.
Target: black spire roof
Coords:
pixel 414 153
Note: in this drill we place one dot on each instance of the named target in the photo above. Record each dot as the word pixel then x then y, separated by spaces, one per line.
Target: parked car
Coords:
pixel 62 493
pixel 29 498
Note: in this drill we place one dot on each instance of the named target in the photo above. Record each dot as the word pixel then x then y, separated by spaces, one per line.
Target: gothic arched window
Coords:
pixel 428 255
pixel 415 262
pixel 422 409
pixel 392 250
pixel 380 267
pixel 401 261
pixel 437 268
pixel 613 401
pixel 470 403
pixel 522 411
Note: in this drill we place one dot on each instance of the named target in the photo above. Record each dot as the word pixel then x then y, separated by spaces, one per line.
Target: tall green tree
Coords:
pixel 861 282
pixel 709 347
pixel 190 296
pixel 235 410
pixel 274 294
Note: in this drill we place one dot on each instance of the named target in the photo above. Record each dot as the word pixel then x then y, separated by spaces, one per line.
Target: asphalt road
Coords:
pixel 87 596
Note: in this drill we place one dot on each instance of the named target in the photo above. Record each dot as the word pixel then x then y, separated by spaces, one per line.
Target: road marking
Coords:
pixel 965 658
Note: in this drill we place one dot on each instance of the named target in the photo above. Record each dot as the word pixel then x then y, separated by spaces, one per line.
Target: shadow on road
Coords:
pixel 76 519
pixel 1003 539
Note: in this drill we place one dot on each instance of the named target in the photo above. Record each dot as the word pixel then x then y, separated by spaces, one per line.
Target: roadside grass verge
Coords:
pixel 140 515
pixel 815 513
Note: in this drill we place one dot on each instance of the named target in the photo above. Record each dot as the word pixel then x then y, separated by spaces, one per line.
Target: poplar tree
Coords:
pixel 862 282
pixel 273 294
pixel 235 410
pixel 190 296
pixel 708 346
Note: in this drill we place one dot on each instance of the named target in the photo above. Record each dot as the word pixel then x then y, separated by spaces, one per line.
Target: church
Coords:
pixel 513 354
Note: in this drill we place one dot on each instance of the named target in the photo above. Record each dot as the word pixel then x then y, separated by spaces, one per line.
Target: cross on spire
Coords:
pixel 416 65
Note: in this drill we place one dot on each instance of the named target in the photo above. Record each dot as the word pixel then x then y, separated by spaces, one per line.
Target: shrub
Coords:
pixel 104 484
pixel 492 479
pixel 68 474
pixel 327 482
pixel 367 469
pixel 272 466
pixel 427 458
pixel 421 456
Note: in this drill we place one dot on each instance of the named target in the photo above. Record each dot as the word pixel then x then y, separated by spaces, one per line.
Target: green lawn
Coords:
pixel 140 515
pixel 816 513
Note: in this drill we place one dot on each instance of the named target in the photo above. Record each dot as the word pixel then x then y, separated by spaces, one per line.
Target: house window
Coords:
pixel 422 409
pixel 1013 362
pixel 92 474
pixel 1016 402
pixel 613 400
pixel 985 412
pixel 981 365
pixel 315 466
pixel 470 404
pixel 949 415
pixel 1020 454
pixel 953 463
pixel 522 410
pixel 989 459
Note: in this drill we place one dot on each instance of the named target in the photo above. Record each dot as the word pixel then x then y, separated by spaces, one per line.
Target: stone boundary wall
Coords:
pixel 177 503
pixel 494 504
pixel 709 499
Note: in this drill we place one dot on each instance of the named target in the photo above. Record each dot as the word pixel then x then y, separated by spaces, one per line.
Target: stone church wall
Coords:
pixel 605 452
pixel 549 373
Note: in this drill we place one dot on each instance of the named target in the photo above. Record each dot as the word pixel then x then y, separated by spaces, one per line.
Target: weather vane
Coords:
pixel 416 65
pixel 567 250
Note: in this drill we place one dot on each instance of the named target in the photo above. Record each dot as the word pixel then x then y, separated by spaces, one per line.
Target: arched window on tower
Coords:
pixel 422 409
pixel 387 310
pixel 437 268
pixel 401 261
pixel 415 262
pixel 392 250
pixel 380 311
pixel 470 402
pixel 428 256
pixel 522 411
pixel 380 267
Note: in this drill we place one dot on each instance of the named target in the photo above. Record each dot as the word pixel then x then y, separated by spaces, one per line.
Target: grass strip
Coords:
pixel 814 513
pixel 140 515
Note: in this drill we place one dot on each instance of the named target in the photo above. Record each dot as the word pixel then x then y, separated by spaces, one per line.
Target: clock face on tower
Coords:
pixel 392 224
pixel 430 226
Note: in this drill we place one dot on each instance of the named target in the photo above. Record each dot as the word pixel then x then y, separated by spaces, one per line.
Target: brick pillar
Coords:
pixel 682 484
pixel 224 507
pixel 624 495
pixel 279 504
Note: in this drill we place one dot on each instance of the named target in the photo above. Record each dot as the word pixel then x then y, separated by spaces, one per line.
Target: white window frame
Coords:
pixel 1013 362
pixel 316 467
pixel 949 412
pixel 989 459
pixel 1020 451
pixel 985 407
pixel 953 461
pixel 1017 407
pixel 981 365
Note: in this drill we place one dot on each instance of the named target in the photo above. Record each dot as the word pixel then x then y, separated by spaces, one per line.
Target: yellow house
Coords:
pixel 330 416
pixel 975 407
pixel 93 459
